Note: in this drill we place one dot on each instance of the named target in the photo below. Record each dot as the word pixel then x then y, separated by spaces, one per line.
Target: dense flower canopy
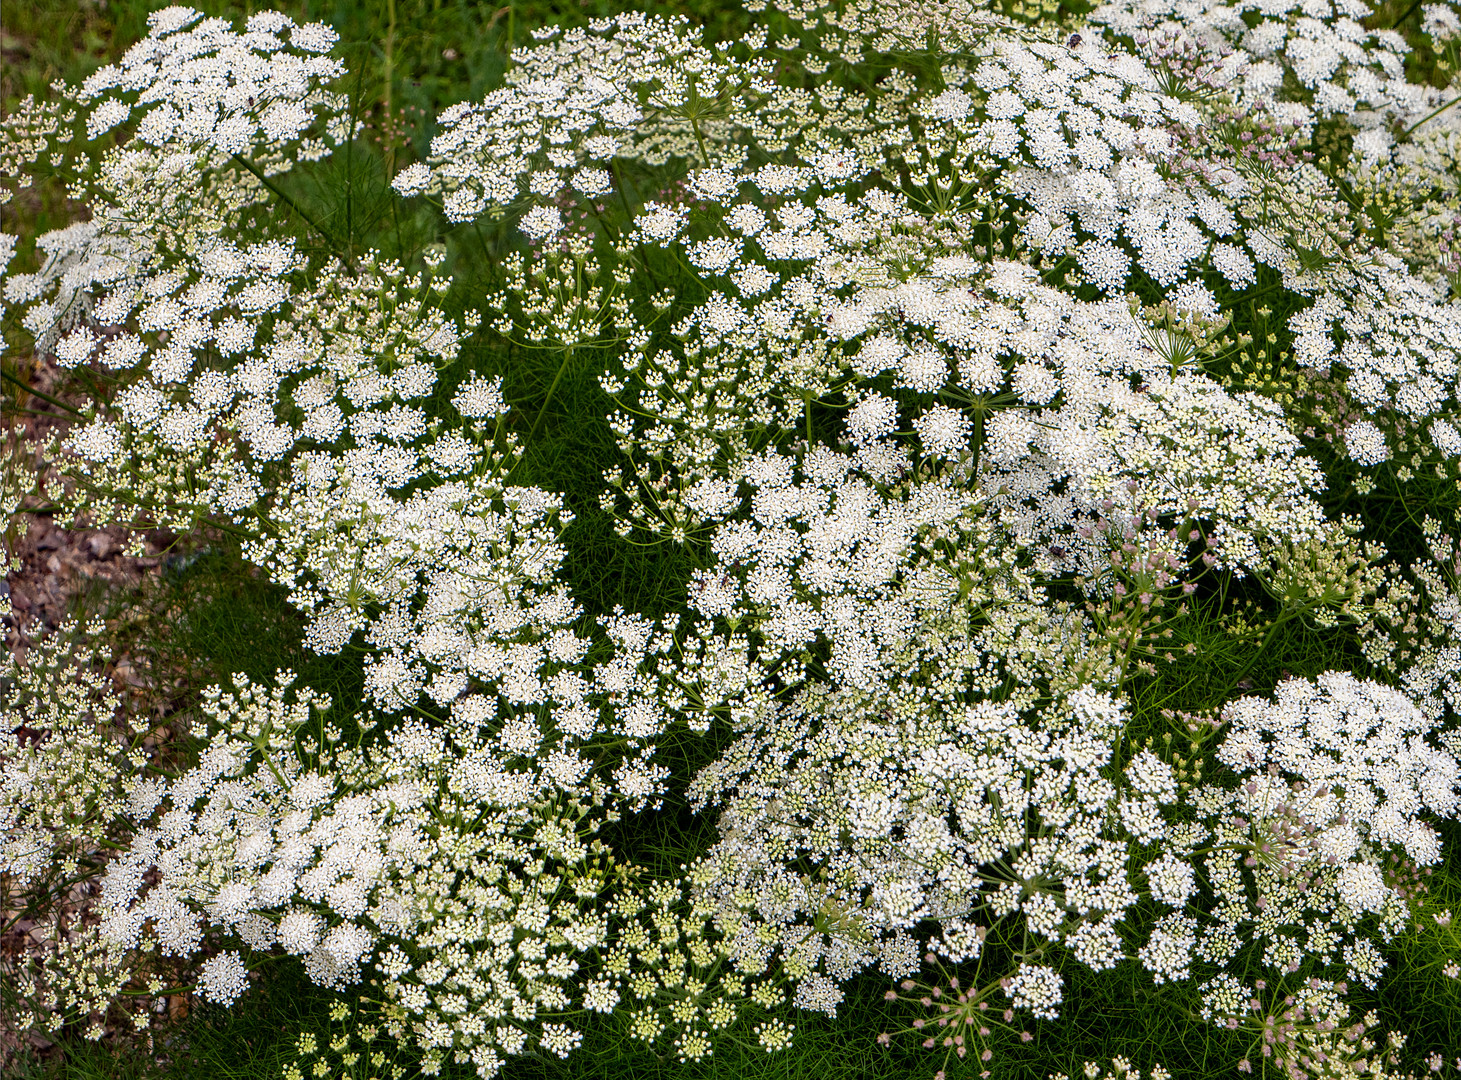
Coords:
pixel 954 382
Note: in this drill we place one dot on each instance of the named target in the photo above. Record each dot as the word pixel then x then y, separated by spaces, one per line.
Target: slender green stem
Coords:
pixel 619 188
pixel 39 393
pixel 976 441
pixel 1430 116
pixel 284 197
pixel 700 141
pixel 390 49
pixel 1408 13
pixel 1253 660
pixel 167 992
pixel 567 356
pixel 350 156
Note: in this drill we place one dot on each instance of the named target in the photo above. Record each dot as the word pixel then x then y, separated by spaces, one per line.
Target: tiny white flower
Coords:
pixel 225 977
pixel 412 180
pixel 541 222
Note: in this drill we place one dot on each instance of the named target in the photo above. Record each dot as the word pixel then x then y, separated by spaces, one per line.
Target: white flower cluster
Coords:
pixel 233 367
pixel 1077 404
pixel 68 744
pixel 1340 65
pixel 1094 424
pixel 932 378
pixel 1399 338
pixel 631 87
pixel 965 822
pixel 286 836
pixel 213 85
pixel 1418 642
pixel 1082 138
pixel 217 111
pixel 885 606
pixel 1087 141
pixel 1398 346
pixel 1297 1030
pixel 1333 777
